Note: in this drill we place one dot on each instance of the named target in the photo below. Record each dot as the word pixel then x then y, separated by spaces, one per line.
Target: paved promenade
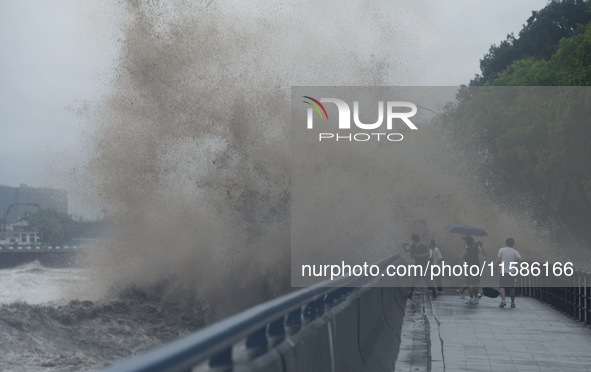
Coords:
pixel 447 335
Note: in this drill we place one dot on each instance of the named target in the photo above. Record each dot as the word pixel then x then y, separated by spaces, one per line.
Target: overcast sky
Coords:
pixel 58 54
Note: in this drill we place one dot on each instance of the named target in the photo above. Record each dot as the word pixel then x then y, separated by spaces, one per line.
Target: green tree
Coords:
pixel 54 228
pixel 535 141
pixel 538 39
pixel 569 66
pixel 572 61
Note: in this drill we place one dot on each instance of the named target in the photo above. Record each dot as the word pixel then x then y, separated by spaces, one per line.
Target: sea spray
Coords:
pixel 191 150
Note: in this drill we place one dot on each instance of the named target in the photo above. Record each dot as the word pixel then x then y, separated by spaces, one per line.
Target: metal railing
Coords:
pixel 572 296
pixel 250 334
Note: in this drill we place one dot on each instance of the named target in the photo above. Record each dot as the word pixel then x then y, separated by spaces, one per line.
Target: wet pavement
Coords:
pixel 447 335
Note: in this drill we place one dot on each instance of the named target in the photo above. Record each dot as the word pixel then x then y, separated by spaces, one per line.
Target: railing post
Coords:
pixel 580 314
pixel 584 296
pixel 587 297
pixel 573 296
pixel 537 287
pixel 530 285
pixel 293 323
pixel 337 296
pixel 583 301
pixel 314 310
pixel 277 331
pixel 568 297
pixel 564 296
pixel 257 343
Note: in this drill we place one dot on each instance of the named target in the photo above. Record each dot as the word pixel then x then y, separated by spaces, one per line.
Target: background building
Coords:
pixel 46 198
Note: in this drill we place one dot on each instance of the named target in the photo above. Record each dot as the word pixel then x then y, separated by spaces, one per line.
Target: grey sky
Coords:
pixel 45 67
pixel 58 54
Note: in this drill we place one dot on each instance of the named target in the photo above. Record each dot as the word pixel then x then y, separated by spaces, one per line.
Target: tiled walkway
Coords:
pixel 447 335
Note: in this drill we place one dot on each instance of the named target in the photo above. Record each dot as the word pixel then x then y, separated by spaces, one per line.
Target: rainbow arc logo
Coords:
pixel 316 105
pixel 388 111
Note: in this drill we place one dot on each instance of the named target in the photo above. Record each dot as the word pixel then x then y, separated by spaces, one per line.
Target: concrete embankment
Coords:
pixel 360 334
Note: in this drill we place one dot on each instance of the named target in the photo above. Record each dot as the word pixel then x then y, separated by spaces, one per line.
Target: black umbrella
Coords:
pixel 466 230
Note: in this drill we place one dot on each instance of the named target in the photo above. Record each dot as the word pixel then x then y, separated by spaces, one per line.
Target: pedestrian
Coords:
pixel 420 253
pixel 472 257
pixel 505 258
pixel 466 286
pixel 436 259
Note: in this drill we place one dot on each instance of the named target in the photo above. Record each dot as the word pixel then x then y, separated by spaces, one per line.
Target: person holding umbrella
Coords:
pixel 472 257
pixel 466 286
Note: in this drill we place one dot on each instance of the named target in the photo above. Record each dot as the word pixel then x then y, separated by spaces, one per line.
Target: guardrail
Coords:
pixel 237 340
pixel 573 297
pixel 44 248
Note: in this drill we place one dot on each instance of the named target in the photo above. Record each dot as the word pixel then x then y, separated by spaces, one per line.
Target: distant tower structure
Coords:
pixel 46 198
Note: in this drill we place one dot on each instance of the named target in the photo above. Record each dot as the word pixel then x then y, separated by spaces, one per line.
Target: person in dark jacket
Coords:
pixel 421 254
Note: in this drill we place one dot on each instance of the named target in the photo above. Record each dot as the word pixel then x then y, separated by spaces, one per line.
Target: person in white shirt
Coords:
pixel 508 255
pixel 436 259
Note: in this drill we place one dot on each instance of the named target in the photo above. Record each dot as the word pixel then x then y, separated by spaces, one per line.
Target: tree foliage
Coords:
pixel 570 65
pixel 54 228
pixel 536 139
pixel 538 39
